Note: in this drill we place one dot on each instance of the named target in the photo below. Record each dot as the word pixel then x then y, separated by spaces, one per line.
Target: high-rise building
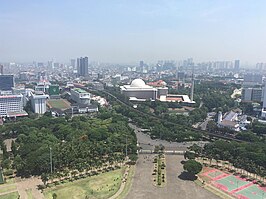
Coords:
pixel 1 69
pixel 11 105
pixel 252 79
pixel 50 64
pixel 82 66
pixel 6 82
pixel 40 64
pixel 141 66
pixel 237 65
pixel 263 111
pixel 252 95
pixel 73 63
pixel 38 102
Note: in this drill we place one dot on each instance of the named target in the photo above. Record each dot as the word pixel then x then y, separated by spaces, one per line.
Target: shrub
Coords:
pixel 8 172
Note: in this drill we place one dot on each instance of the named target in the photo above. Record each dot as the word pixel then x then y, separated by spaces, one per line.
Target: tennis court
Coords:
pixel 215 174
pixel 230 183
pixel 251 192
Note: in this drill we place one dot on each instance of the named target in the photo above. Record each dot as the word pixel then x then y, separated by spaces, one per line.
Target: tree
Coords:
pixel 189 155
pixel 192 167
pixel 18 164
pixel 14 148
pixel 54 195
pixel 6 164
pixel 44 178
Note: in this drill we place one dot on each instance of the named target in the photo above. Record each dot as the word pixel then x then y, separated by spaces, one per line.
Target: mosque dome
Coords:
pixel 138 83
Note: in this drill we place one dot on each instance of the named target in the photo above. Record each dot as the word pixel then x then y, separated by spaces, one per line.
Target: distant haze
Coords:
pixel 132 30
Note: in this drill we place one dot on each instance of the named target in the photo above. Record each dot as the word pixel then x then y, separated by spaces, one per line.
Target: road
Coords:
pixel 147 143
pixel 227 137
pixel 143 187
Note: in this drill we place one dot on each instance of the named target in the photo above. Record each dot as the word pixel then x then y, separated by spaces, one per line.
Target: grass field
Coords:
pixel 13 195
pixel 29 194
pixel 100 186
pixel 128 183
pixel 58 103
pixel 7 188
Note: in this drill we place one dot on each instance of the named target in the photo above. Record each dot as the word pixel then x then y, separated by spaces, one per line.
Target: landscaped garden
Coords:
pixel 159 171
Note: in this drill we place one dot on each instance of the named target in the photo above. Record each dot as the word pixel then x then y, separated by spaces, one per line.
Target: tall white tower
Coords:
pixel 220 117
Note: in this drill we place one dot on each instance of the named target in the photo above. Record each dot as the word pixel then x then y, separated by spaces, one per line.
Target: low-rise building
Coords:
pixel 80 96
pixel 233 120
pixel 139 91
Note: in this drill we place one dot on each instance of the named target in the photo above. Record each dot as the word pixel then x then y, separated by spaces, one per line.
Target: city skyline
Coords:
pixel 128 31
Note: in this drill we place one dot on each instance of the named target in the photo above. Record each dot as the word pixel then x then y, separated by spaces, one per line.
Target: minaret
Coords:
pixel 220 117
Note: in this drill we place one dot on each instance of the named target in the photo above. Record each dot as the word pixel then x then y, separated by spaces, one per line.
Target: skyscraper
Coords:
pixel 141 66
pixel 1 69
pixel 6 82
pixel 263 111
pixel 237 65
pixel 82 66
pixel 73 63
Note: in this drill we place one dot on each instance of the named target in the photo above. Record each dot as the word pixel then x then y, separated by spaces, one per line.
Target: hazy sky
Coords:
pixel 132 30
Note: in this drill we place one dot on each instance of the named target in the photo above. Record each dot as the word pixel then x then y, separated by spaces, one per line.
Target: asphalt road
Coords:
pixel 146 142
pixel 143 188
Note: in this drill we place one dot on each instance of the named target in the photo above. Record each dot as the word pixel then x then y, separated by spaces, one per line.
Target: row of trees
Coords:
pixel 250 157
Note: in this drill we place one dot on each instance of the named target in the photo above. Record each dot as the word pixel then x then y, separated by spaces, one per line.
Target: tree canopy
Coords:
pixel 77 144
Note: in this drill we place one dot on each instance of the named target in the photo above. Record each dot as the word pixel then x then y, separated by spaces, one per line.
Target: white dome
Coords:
pixel 138 83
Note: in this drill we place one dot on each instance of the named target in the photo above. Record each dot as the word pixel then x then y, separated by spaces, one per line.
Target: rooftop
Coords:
pixel 79 90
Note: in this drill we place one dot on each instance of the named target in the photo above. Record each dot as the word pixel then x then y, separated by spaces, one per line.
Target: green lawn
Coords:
pixel 29 194
pixel 7 188
pixel 128 183
pixel 13 195
pixel 58 103
pixel 100 186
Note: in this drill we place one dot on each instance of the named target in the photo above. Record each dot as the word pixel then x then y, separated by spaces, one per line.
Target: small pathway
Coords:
pixel 123 184
pixel 4 193
pixel 27 184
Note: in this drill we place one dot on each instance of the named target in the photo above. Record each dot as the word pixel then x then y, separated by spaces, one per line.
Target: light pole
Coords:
pixel 51 160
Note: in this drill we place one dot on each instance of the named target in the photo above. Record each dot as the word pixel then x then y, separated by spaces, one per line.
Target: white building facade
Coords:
pixel 139 91
pixel 38 103
pixel 80 96
pixel 263 111
pixel 11 104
